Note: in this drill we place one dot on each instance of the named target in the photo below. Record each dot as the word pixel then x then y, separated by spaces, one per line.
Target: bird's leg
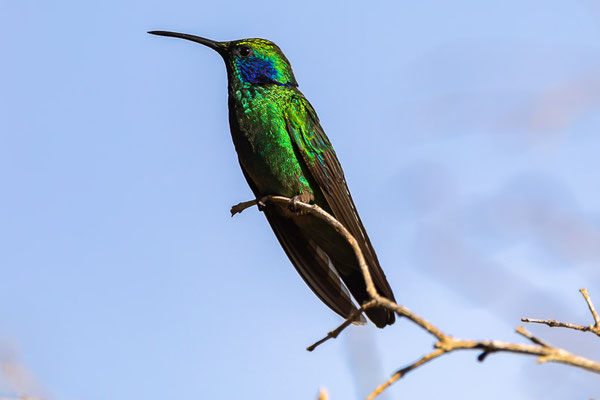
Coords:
pixel 303 198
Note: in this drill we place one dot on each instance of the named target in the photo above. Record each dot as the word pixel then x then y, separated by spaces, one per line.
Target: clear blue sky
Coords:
pixel 468 131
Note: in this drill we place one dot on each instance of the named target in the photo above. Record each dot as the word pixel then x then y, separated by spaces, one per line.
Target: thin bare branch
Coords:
pixel 240 207
pixel 595 328
pixel 400 373
pixel 586 296
pixel 334 333
pixel 524 332
pixel 557 324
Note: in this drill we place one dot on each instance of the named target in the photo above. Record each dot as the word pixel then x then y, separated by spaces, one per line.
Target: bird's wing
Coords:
pixel 318 154
pixel 311 262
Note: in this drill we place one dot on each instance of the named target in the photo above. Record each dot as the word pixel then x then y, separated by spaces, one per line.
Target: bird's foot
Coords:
pixel 302 198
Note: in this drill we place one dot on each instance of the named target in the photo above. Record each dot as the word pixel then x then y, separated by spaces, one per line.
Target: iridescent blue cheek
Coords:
pixel 257 70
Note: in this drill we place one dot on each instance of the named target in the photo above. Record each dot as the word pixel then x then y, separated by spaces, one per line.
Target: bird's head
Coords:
pixel 249 61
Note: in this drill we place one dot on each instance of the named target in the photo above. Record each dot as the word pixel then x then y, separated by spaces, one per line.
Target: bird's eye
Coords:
pixel 245 51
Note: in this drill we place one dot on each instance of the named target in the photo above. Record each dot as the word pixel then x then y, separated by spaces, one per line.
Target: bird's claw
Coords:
pixel 293 204
pixel 301 198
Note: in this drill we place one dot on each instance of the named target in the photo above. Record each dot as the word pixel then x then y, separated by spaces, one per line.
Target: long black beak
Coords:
pixel 220 47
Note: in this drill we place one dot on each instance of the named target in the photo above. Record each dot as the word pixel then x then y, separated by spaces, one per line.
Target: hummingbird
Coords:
pixel 283 150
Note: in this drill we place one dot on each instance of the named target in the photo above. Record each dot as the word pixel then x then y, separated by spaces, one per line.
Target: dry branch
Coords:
pixel 594 328
pixel 445 343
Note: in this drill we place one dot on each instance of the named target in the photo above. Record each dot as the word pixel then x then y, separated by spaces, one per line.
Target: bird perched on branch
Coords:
pixel 283 151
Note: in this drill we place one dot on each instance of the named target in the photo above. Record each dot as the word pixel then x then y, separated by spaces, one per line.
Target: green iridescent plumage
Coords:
pixel 283 150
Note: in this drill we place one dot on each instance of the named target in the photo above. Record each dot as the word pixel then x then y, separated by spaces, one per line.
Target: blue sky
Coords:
pixel 468 132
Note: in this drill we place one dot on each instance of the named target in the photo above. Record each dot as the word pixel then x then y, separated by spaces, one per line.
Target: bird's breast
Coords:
pixel 263 144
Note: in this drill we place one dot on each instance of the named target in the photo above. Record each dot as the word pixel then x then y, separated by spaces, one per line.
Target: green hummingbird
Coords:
pixel 283 151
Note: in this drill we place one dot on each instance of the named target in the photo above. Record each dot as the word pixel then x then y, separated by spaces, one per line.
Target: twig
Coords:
pixel 238 208
pixel 557 324
pixel 334 333
pixel 595 328
pixel 524 332
pixel 445 343
pixel 586 296
pixel 400 373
